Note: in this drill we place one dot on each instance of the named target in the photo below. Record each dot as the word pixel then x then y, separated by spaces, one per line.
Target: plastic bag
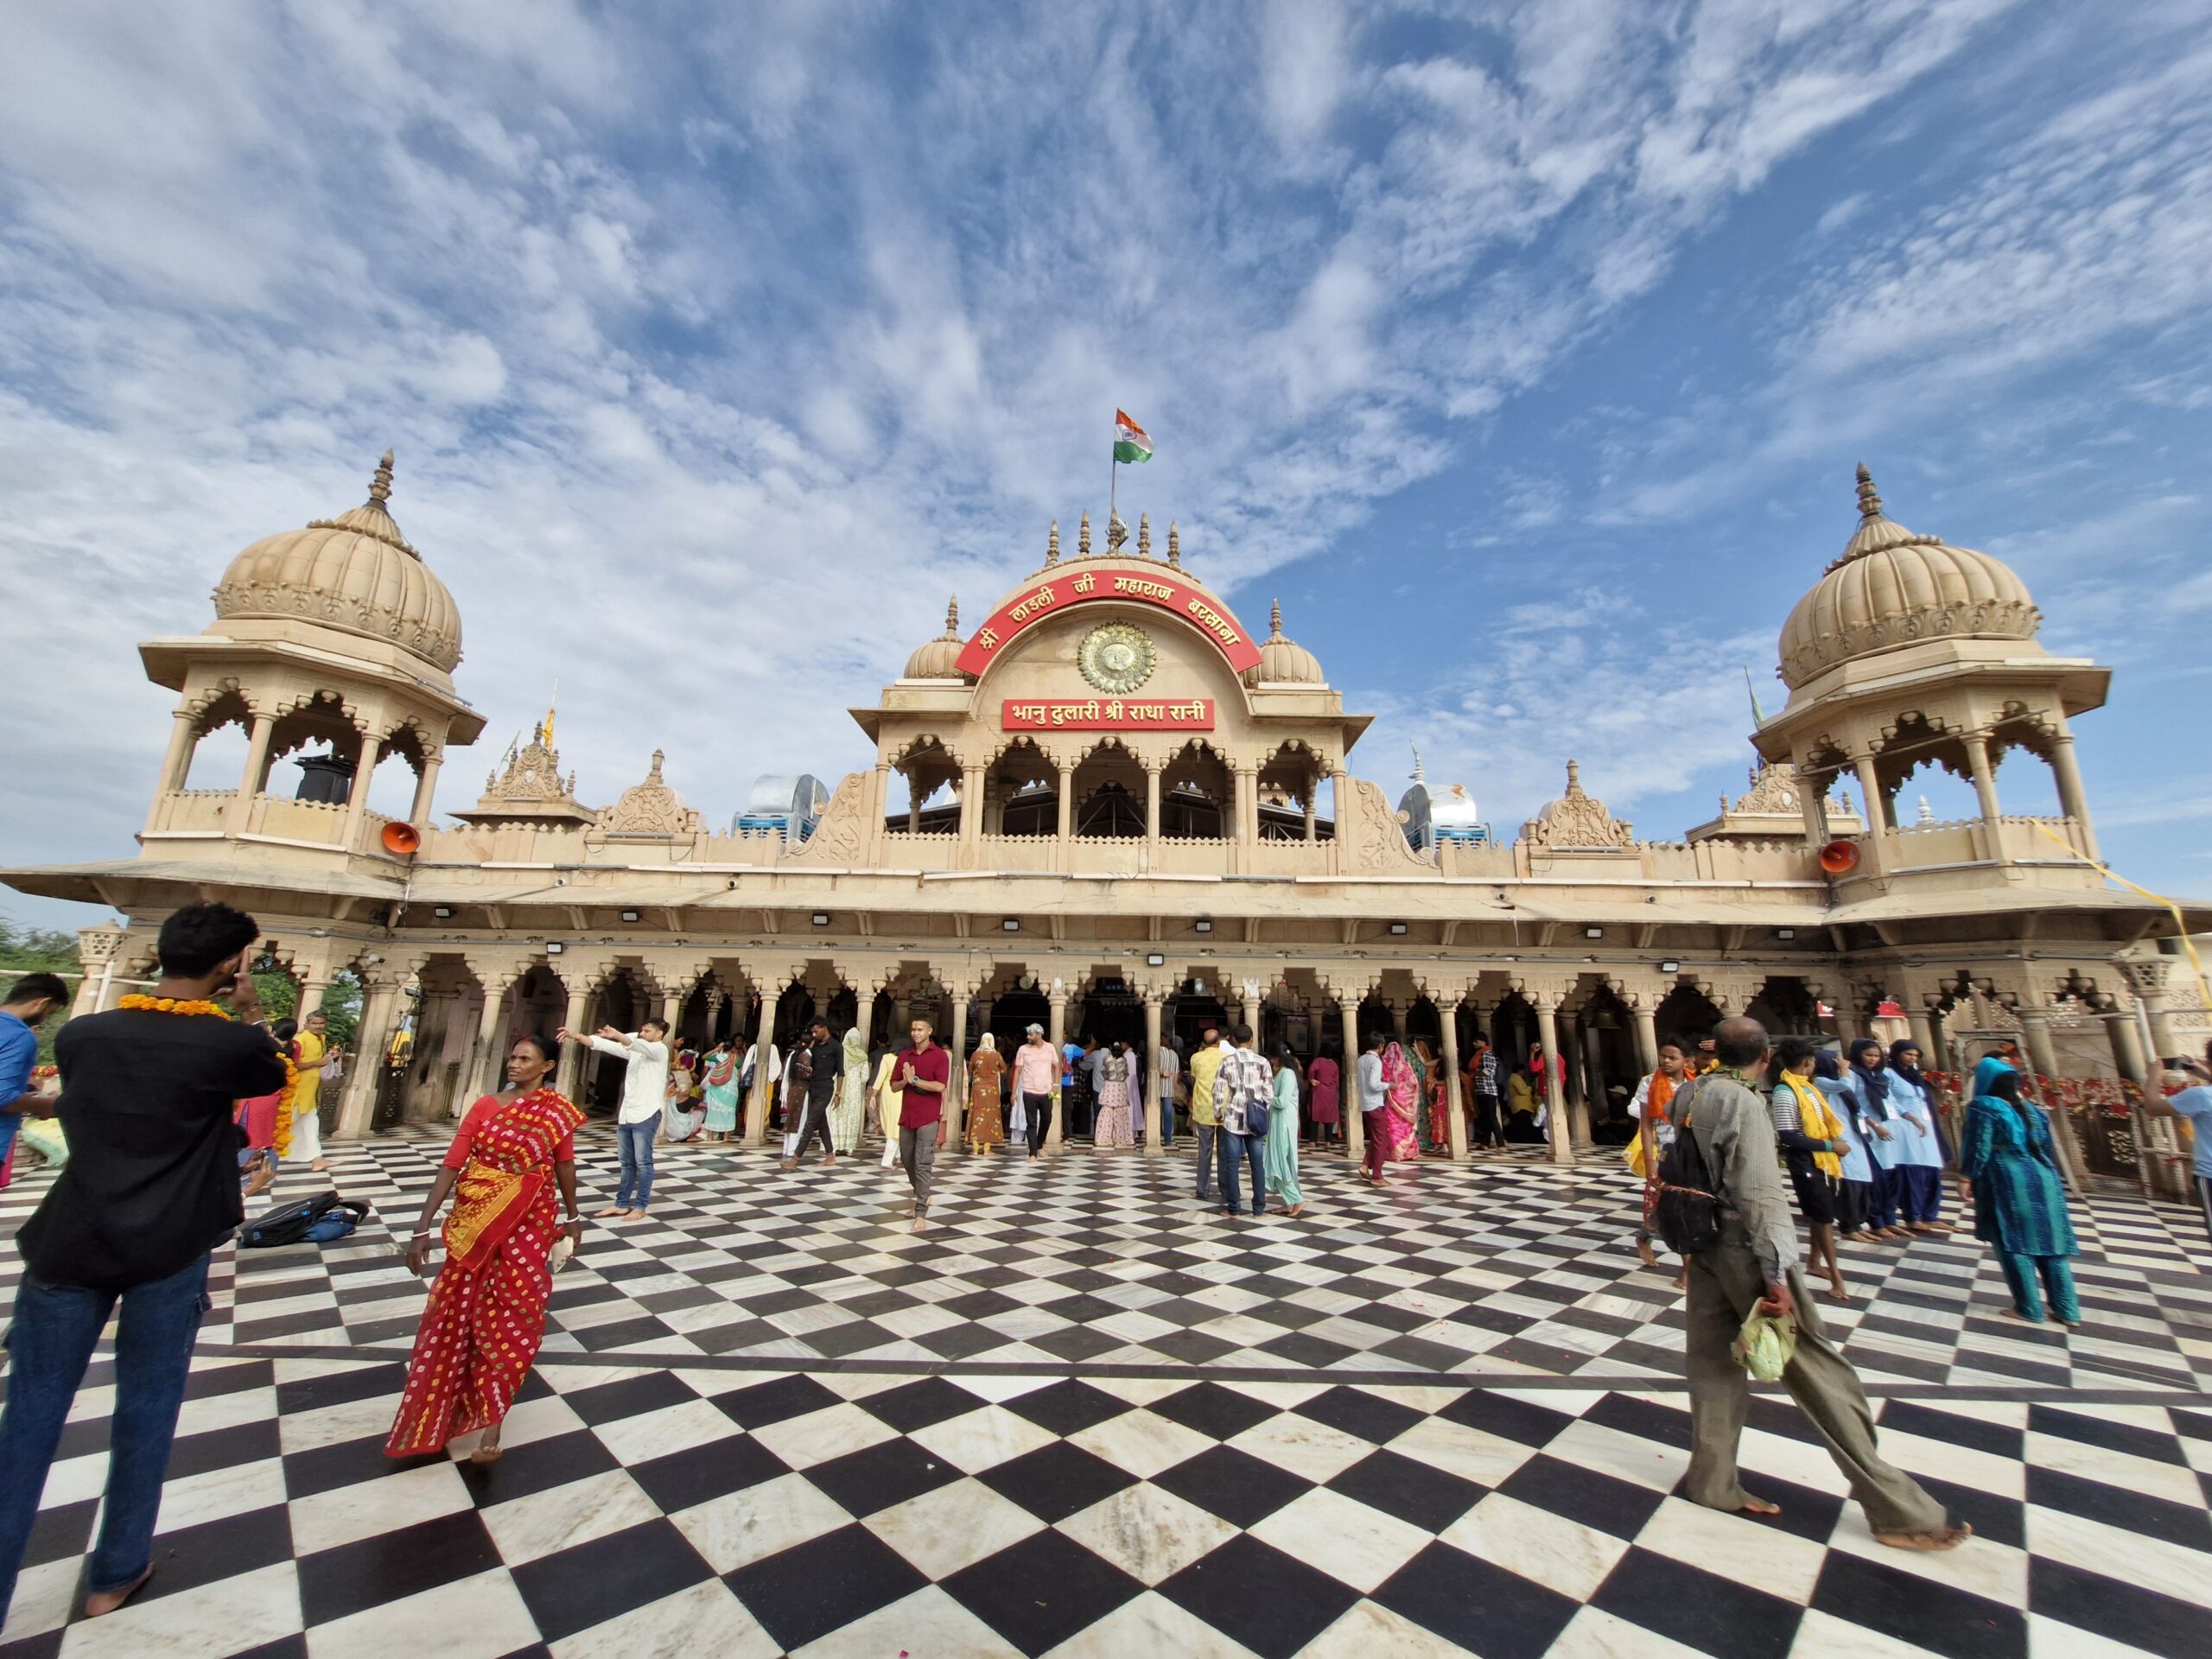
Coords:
pixel 1766 1344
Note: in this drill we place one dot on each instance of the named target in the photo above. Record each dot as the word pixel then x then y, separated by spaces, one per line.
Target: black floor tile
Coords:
pixel 1913 1609
pixel 2093 1500
pixel 1485 1609
pixel 393 1565
pixel 916 1405
pixel 1041 1592
pixel 1700 1610
pixel 1233 1484
pixel 2120 1612
pixel 1212 1409
pixel 1271 1602
pixel 226 1448
pixel 1648 1420
pixel 2129 1438
pixel 1616 1506
pixel 813 1588
pixel 1426 1497
pixel 575 1589
pixel 1513 1419
pixel 772 1402
pixel 192 1556
pixel 879 1476
pixel 1954 1429
pixel 341 1388
pixel 1358 1411
pixel 537 1466
pixel 1055 1481
pixel 620 1333
pixel 684 1478
pixel 630 1397
pixel 1067 1407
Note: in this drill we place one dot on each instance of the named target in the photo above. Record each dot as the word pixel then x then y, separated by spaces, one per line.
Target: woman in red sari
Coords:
pixel 487 1314
pixel 1402 1093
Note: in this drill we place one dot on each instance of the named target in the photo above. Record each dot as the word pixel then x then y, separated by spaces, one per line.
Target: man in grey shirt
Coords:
pixel 1755 1264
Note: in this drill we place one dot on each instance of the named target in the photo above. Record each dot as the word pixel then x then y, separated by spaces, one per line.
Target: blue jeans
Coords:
pixel 50 1344
pixel 636 1142
pixel 1237 1150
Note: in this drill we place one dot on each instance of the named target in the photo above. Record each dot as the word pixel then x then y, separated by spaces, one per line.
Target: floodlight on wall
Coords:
pixel 1397 928
pixel 1011 924
pixel 554 947
pixel 1204 925
pixel 1593 933
pixel 1785 932
pixel 1155 960
pixel 443 912
pixel 629 915
pixel 822 918
pixel 1670 967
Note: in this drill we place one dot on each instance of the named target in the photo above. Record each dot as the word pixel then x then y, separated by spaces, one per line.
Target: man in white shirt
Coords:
pixel 1374 1099
pixel 645 1090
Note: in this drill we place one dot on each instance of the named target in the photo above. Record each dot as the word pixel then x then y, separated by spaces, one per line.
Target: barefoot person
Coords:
pixel 2007 1161
pixel 487 1315
pixel 150 1188
pixel 644 1089
pixel 922 1072
pixel 1756 1265
pixel 310 1052
pixel 1812 1145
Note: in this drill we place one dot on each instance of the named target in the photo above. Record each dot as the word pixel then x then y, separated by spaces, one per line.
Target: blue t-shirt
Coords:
pixel 2196 1105
pixel 18 1054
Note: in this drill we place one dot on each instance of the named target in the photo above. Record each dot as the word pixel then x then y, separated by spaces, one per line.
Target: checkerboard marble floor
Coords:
pixel 1083 1415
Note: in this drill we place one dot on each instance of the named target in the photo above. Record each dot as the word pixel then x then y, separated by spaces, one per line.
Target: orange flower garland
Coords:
pixel 281 1142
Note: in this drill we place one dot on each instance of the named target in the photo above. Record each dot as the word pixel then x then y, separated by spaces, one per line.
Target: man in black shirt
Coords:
pixel 826 1073
pixel 151 1188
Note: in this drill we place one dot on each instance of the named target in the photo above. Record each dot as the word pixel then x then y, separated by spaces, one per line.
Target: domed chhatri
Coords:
pixel 355 573
pixel 1285 662
pixel 939 659
pixel 1892 587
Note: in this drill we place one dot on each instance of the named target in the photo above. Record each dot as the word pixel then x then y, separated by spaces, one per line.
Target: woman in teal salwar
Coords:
pixel 1280 1157
pixel 2019 1203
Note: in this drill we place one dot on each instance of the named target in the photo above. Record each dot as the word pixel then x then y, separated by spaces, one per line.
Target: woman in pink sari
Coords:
pixel 1401 1097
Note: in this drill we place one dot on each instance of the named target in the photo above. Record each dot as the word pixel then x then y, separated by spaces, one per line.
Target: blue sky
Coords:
pixel 1525 352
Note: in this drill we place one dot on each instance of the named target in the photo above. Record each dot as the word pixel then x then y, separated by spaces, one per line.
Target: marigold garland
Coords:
pixel 281 1142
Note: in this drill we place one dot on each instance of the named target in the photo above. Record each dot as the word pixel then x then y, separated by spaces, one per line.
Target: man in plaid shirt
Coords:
pixel 1245 1080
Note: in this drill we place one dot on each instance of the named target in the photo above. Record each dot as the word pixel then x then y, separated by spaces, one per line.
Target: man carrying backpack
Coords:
pixel 1721 1178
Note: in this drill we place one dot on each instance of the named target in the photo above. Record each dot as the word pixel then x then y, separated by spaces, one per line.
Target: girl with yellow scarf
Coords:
pixel 1813 1143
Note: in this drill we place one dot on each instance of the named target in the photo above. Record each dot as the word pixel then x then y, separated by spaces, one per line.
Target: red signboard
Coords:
pixel 1106 714
pixel 1080 585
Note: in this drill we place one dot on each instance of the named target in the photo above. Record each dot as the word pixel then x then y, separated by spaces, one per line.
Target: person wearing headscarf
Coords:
pixel 848 1106
pixel 1812 1140
pixel 1879 1126
pixel 1280 1154
pixel 1402 1103
pixel 721 1091
pixel 2007 1157
pixel 886 1105
pixel 1921 1153
pixel 986 1076
pixel 1855 1186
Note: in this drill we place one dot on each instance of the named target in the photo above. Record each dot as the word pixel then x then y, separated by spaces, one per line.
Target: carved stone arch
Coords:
pixel 205 701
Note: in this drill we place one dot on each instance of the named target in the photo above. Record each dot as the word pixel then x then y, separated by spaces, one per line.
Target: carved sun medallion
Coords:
pixel 1116 657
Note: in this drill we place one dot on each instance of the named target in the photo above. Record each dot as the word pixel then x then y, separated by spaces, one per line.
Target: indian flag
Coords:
pixel 1131 442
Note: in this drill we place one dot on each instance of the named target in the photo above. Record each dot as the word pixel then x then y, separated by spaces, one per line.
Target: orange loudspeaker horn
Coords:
pixel 1837 858
pixel 400 840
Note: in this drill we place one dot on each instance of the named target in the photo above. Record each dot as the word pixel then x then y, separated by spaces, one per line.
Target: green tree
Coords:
pixel 36 949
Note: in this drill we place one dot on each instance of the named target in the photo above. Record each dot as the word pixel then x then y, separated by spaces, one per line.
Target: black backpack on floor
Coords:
pixel 1686 1214
pixel 316 1220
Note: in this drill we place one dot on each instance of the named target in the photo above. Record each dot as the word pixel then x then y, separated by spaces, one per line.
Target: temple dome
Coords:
pixel 1892 588
pixel 939 659
pixel 355 573
pixel 1285 661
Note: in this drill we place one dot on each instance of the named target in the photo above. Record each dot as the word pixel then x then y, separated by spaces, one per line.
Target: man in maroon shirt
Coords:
pixel 921 1074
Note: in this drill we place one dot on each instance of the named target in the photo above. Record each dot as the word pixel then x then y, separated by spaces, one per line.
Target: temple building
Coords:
pixel 1115 809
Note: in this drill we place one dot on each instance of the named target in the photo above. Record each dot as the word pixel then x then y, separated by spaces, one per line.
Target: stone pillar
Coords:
pixel 1152 775
pixel 357 802
pixel 1067 802
pixel 1338 787
pixel 2035 1037
pixel 2073 799
pixel 491 1058
pixel 426 789
pixel 1454 1094
pixel 1148 1132
pixel 1878 814
pixel 1593 1085
pixel 1985 785
pixel 2151 977
pixel 2127 1043
pixel 764 1075
pixel 177 764
pixel 1556 1105
pixel 1812 802
pixel 1354 1129
pixel 956 1088
pixel 1924 1033
pixel 256 767
pixel 379 1015
pixel 1057 1035
pixel 568 1077
pixel 1647 1037
pixel 1312 798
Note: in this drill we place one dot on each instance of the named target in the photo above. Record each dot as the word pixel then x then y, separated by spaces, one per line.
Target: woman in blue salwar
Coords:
pixel 2019 1203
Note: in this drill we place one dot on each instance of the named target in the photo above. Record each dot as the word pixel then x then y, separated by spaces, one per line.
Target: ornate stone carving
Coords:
pixel 1116 657
pixel 841 834
pixel 1369 831
pixel 1578 822
pixel 528 786
pixel 650 808
pixel 98 945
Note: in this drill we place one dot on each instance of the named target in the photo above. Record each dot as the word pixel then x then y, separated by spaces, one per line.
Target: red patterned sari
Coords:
pixel 487 1313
